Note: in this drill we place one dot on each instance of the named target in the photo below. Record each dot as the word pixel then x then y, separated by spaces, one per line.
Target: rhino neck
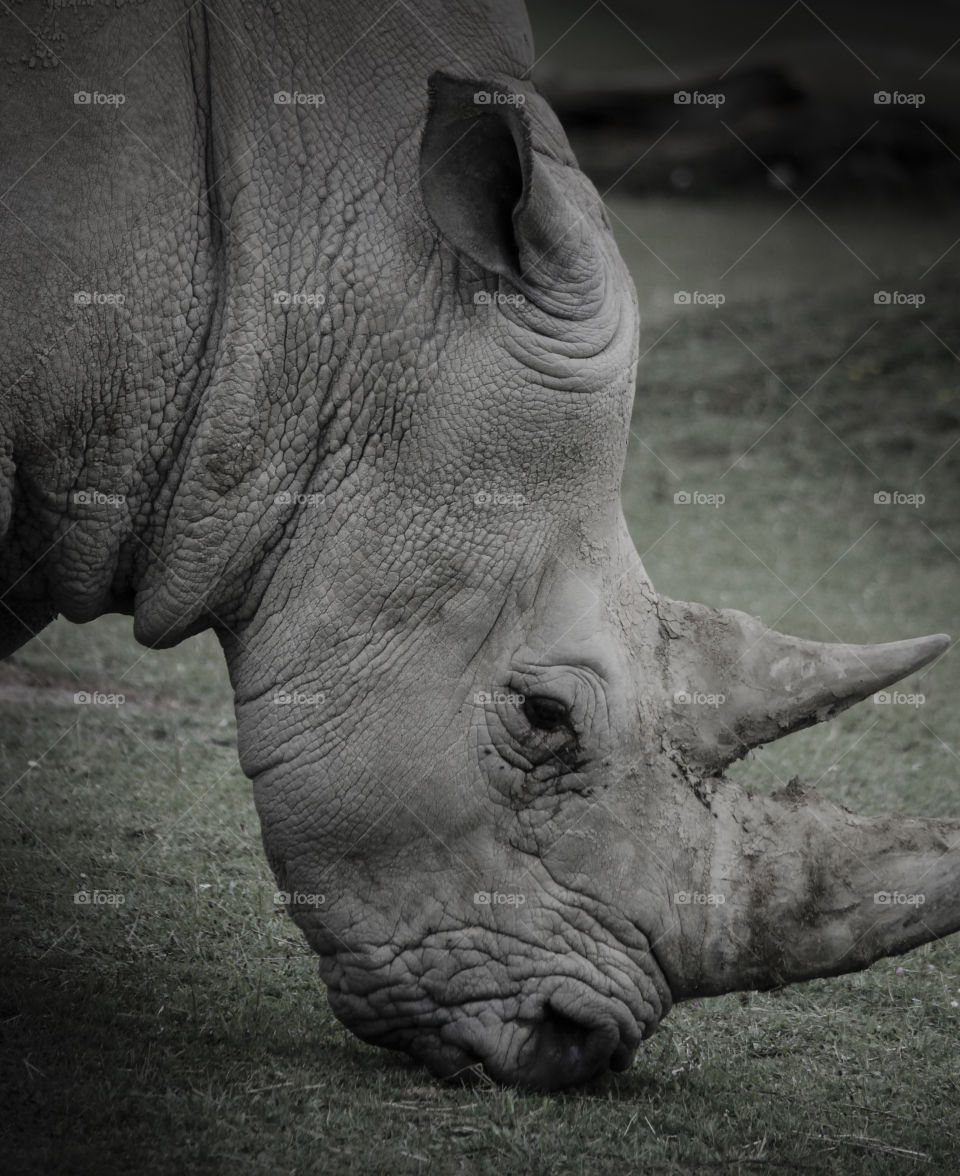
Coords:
pixel 332 301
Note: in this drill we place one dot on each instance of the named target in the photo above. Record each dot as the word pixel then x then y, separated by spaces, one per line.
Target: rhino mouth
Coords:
pixel 541 1041
pixel 572 1041
pixel 538 996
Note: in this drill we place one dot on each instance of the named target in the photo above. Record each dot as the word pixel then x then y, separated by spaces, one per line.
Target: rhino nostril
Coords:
pixel 567 1047
pixel 563 1038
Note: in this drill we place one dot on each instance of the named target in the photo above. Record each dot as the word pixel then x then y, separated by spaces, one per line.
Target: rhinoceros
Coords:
pixel 316 335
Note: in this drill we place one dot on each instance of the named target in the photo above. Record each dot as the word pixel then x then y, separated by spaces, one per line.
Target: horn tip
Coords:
pixel 932 645
pixel 900 658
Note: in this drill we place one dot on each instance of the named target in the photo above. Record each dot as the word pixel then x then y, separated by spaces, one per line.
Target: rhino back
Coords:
pixel 109 290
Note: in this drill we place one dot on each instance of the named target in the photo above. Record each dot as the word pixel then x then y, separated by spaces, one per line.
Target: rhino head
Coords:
pixel 488 756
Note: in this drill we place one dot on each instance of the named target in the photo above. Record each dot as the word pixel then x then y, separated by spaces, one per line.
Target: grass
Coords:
pixel 185 1030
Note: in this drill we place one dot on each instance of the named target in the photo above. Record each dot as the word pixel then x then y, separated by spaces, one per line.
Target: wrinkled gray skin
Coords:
pixel 498 679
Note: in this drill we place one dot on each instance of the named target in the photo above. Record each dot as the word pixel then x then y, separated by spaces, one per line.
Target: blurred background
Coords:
pixel 867 101
pixel 783 183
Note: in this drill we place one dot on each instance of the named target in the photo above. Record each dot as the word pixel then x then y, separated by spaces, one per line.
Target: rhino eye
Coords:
pixel 545 714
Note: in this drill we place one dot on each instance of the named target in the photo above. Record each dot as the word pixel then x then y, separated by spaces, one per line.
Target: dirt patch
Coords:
pixel 25 687
pixel 28 689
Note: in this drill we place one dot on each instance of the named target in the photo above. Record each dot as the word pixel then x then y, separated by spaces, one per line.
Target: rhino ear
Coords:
pixel 472 171
pixel 499 202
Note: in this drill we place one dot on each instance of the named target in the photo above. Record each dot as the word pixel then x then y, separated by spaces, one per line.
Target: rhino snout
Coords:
pixel 541 1040
pixel 572 1041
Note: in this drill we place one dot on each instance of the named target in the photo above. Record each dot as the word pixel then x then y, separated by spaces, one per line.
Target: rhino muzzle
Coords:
pixel 575 1037
pixel 561 1034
